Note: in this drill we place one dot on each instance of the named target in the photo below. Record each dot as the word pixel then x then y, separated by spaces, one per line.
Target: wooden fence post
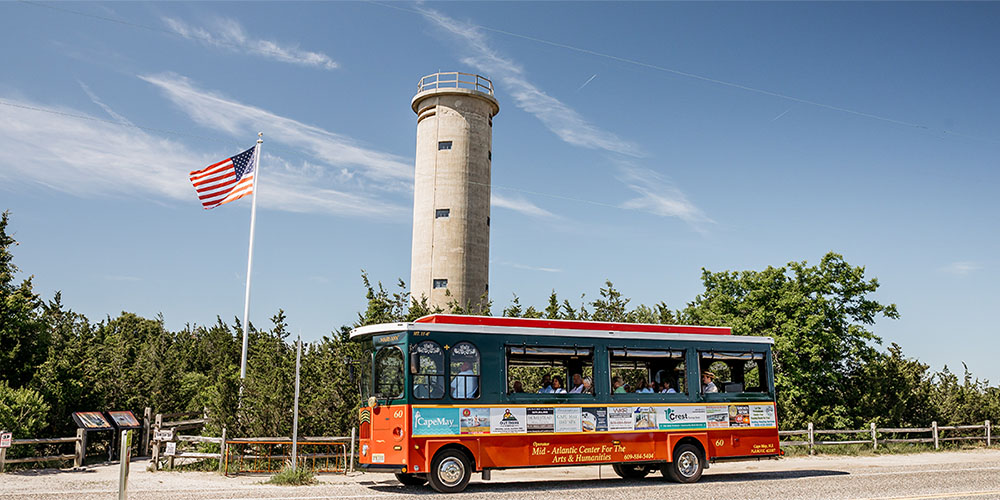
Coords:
pixel 147 415
pixel 80 448
pixel 874 439
pixel 934 433
pixel 222 451
pixel 156 443
pixel 810 429
pixel 987 425
pixel 3 458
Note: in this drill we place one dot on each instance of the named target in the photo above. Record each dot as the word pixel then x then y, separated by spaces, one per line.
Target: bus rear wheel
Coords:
pixel 687 465
pixel 630 471
pixel 411 479
pixel 450 471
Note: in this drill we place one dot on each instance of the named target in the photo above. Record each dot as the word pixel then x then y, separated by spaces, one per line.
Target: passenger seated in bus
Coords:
pixel 577 384
pixel 588 385
pixel 706 382
pixel 666 389
pixel 546 384
pixel 465 385
pixel 557 386
pixel 518 387
pixel 644 387
pixel 618 386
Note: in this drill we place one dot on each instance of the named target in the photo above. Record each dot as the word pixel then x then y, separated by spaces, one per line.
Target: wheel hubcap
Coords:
pixel 451 471
pixel 687 464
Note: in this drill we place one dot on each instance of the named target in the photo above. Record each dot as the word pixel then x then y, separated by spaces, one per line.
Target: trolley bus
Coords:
pixel 456 395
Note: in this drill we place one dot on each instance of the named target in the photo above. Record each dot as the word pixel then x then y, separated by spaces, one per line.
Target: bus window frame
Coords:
pixel 411 378
pixel 768 364
pixel 450 378
pixel 651 397
pixel 553 398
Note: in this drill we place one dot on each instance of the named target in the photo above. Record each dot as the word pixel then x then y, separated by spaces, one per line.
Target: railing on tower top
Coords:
pixel 455 80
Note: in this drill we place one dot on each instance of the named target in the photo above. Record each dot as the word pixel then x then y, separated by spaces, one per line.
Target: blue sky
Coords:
pixel 637 142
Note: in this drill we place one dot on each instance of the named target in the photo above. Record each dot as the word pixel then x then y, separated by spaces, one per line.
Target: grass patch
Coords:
pixel 883 449
pixel 293 477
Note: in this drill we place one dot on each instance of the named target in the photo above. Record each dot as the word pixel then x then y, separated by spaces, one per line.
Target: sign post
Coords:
pixel 5 440
pixel 126 456
pixel 295 416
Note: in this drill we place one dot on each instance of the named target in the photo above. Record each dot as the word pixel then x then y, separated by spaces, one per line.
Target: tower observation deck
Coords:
pixel 451 190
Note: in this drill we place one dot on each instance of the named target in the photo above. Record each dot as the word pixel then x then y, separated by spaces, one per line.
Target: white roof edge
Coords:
pixel 370 330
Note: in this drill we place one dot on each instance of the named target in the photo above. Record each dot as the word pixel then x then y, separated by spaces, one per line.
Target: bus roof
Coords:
pixel 558 328
pixel 559 324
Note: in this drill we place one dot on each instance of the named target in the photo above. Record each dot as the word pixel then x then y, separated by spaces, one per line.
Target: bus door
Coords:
pixel 388 417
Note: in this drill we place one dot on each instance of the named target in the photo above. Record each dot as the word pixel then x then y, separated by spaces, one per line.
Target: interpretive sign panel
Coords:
pixel 5 439
pixel 91 420
pixel 124 420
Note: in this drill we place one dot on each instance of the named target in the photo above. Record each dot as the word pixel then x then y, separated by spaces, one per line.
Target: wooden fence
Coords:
pixel 79 441
pixel 872 435
pixel 183 421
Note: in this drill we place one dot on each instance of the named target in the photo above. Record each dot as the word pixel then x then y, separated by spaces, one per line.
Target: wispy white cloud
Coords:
pixel 107 109
pixel 70 151
pixel 659 196
pixel 521 205
pixel 561 119
pixel 229 34
pixel 532 268
pixel 212 110
pixel 962 268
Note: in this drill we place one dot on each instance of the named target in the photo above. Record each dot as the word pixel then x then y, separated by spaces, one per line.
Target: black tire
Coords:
pixel 631 471
pixel 450 471
pixel 687 465
pixel 411 479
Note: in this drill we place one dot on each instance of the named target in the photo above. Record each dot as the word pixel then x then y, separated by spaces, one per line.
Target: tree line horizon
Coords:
pixel 830 367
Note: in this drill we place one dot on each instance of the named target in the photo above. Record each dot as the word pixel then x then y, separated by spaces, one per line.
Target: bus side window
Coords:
pixel 736 372
pixel 534 369
pixel 647 371
pixel 427 368
pixel 465 371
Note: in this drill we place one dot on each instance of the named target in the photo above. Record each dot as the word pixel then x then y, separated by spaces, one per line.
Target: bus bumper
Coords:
pixel 383 468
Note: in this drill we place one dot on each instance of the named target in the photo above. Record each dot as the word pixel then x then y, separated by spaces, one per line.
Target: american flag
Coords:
pixel 228 180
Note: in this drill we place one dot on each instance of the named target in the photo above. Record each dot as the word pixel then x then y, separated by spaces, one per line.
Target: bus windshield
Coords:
pixel 389 373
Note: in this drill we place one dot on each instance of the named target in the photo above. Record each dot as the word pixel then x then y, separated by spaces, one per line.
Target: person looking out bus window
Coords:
pixel 666 388
pixel 577 384
pixel 546 384
pixel 588 385
pixel 644 387
pixel 619 385
pixel 518 386
pixel 466 384
pixel 557 386
pixel 707 385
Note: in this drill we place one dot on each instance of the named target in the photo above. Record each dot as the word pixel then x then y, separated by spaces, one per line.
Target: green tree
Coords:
pixel 23 336
pixel 818 316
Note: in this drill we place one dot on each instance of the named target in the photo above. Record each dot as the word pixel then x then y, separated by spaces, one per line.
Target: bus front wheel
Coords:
pixel 630 471
pixel 450 471
pixel 687 466
pixel 411 479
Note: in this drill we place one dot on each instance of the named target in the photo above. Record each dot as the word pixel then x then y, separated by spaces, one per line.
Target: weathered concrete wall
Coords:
pixel 456 247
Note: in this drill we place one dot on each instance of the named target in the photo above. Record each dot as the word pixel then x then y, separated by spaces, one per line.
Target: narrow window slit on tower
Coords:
pixel 440 283
pixel 442 213
pixel 443 145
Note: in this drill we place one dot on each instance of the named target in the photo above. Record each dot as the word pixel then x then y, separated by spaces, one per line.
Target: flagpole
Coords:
pixel 253 220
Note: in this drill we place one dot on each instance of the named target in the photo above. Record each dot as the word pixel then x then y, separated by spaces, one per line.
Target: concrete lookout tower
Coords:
pixel 451 191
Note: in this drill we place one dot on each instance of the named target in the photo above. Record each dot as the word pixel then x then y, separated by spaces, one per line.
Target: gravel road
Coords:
pixel 944 475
